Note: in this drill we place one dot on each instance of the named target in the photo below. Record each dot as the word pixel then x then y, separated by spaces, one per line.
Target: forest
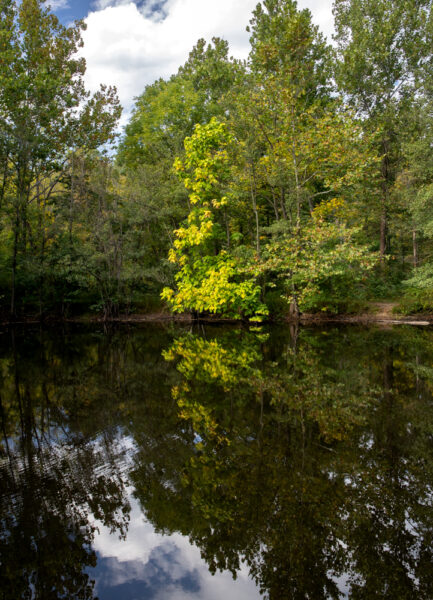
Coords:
pixel 297 181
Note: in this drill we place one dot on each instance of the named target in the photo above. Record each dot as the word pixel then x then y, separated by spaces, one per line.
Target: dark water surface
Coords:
pixel 161 463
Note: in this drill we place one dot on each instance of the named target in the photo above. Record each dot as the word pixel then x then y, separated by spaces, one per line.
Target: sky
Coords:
pixel 130 44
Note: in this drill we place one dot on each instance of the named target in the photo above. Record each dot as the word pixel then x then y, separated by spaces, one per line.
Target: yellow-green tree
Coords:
pixel 210 279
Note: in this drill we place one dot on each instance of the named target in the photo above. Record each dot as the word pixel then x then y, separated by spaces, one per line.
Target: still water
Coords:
pixel 168 463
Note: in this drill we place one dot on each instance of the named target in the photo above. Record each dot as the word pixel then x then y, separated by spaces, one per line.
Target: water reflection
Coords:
pixel 302 458
pixel 52 478
pixel 320 465
pixel 164 567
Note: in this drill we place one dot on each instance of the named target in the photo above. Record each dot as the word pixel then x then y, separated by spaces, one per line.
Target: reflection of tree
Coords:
pixel 259 485
pixel 58 482
pixel 390 526
pixel 301 465
pixel 308 456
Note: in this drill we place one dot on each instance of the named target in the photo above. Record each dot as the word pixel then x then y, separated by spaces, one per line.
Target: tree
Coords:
pixel 300 152
pixel 45 111
pixel 286 45
pixel 290 84
pixel 384 53
pixel 414 189
pixel 209 278
pixel 317 266
pixel 167 111
pixel 164 115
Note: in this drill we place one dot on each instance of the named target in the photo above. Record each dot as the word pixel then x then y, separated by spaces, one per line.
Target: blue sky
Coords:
pixel 70 10
pixel 131 43
pixel 75 9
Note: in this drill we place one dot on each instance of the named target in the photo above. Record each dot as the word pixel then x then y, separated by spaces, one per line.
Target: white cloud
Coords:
pixel 58 4
pixel 103 4
pixel 127 46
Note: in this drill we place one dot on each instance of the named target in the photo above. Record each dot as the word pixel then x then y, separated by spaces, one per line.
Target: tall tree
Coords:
pixel 384 54
pixel 290 72
pixel 164 115
pixel 45 111
pixel 209 278
pixel 167 111
pixel 286 45
pixel 301 153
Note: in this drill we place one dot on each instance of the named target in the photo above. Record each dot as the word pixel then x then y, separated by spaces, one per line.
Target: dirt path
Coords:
pixel 384 310
pixel 383 313
pixel 377 312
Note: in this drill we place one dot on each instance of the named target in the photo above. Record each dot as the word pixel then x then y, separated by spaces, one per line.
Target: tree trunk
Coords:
pixel 294 311
pixel 415 249
pixel 386 183
pixel 14 263
pixel 253 189
pixel 226 220
pixel 283 203
pixel 383 232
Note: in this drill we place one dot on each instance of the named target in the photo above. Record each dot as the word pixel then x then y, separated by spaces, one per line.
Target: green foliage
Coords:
pixel 418 291
pixel 304 148
pixel 286 45
pixel 383 61
pixel 383 47
pixel 164 116
pixel 318 263
pixel 209 279
pixel 167 111
pixel 415 300
pixel 45 114
pixel 284 186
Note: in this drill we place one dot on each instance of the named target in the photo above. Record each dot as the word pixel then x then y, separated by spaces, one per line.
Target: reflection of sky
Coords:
pixel 151 566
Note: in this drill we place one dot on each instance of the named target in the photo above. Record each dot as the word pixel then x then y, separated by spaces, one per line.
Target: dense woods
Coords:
pixel 299 180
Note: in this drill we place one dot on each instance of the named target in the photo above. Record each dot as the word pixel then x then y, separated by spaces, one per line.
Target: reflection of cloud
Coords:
pixel 141 539
pixel 153 566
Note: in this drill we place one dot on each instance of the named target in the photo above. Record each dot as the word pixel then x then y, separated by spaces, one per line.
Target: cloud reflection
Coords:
pixel 152 566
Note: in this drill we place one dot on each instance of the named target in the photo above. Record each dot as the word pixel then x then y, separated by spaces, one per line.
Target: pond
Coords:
pixel 163 462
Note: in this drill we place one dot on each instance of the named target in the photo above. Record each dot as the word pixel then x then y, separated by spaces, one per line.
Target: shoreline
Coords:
pixel 365 318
